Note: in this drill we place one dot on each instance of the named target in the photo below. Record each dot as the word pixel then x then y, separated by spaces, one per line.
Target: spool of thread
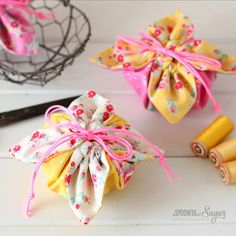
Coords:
pixel 212 135
pixel 224 152
pixel 228 172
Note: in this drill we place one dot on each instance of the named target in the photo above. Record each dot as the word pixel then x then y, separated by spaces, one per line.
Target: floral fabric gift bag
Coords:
pixel 168 67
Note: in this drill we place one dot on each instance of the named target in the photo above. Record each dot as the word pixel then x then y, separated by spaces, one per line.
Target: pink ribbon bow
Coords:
pixel 188 59
pixel 100 136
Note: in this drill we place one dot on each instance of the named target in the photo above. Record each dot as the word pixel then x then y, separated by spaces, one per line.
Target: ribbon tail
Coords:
pixel 170 174
pixel 27 206
pixel 36 170
pixel 216 105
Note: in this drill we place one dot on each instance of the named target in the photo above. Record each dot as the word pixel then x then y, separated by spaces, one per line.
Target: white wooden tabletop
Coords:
pixel 149 201
pixel 148 204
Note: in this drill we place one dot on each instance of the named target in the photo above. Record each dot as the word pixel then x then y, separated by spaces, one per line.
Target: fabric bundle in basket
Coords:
pixel 17 33
pixel 169 69
pixel 87 151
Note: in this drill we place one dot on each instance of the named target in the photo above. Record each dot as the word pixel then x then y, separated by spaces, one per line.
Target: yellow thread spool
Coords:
pixel 224 152
pixel 212 135
pixel 228 172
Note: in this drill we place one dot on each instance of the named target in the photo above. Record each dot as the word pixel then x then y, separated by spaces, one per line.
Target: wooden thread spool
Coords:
pixel 224 152
pixel 228 172
pixel 212 135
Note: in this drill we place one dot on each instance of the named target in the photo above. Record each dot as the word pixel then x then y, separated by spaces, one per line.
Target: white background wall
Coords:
pixel 213 20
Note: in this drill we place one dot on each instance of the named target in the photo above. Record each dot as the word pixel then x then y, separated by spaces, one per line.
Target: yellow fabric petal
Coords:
pixel 113 181
pixel 228 62
pixel 109 58
pixel 57 118
pixel 115 120
pixel 56 168
pixel 173 29
pixel 172 92
pixel 106 58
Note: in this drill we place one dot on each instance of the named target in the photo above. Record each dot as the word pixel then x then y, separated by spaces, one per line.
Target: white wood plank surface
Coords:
pixel 148 200
pixel 147 205
pixel 148 230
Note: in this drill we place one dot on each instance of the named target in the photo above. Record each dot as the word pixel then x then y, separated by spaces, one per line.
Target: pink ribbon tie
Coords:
pixel 98 135
pixel 188 59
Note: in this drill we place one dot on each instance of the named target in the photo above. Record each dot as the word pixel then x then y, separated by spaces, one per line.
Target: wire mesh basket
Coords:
pixel 70 28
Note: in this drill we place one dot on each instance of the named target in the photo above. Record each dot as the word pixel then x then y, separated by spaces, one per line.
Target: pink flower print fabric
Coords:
pixel 17 33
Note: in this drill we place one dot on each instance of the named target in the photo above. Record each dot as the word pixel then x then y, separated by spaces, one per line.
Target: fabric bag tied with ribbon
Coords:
pixel 170 70
pixel 86 151
pixel 17 33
